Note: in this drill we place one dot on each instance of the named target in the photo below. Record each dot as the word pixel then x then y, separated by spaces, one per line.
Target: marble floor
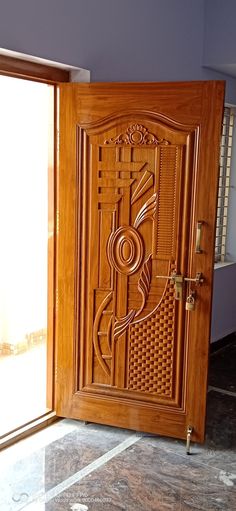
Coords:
pixel 86 467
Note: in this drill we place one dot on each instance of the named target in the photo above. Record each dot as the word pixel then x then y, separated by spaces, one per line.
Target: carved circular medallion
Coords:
pixel 125 250
pixel 136 137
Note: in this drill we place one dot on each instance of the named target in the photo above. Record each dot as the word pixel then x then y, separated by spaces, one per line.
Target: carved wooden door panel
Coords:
pixel 138 172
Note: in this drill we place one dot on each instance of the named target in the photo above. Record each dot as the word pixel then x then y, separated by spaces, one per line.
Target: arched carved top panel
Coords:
pixel 134 116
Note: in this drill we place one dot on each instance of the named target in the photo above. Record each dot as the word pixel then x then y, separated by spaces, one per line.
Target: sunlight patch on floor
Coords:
pixel 23 384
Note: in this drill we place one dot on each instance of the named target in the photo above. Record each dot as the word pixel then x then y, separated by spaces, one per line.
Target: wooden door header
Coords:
pixel 20 68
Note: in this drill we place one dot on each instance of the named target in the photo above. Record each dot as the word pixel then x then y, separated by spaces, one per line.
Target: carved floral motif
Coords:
pixel 137 134
pixel 125 254
pixel 121 324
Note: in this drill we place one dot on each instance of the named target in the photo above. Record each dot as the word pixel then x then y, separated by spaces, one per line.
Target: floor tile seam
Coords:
pixel 81 474
pixel 165 449
pixel 221 391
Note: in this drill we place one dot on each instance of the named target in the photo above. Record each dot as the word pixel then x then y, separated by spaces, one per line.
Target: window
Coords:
pixel 224 183
pixel 27 222
pixel 26 256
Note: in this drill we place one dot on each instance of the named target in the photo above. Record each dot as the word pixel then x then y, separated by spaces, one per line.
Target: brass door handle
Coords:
pixel 198 249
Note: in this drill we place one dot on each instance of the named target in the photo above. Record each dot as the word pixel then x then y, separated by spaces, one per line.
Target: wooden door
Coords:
pixel 138 174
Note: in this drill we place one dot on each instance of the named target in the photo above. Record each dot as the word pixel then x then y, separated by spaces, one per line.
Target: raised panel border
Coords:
pixel 84 130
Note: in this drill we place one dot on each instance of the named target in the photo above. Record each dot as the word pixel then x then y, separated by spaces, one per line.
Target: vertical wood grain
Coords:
pixel 145 156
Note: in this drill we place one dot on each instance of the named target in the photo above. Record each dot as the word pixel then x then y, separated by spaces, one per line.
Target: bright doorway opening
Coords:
pixel 27 250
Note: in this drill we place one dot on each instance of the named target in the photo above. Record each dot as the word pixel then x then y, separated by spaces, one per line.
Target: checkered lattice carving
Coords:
pixel 151 350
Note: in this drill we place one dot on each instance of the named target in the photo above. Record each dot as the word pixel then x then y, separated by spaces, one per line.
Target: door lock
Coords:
pixel 178 281
pixel 198 279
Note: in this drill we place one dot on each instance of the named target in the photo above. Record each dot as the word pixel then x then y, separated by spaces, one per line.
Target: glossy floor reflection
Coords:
pixel 222 368
pixel 86 467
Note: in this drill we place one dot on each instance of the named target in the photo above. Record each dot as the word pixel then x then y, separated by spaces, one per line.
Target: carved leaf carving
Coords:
pixel 122 324
pixel 148 210
pixel 137 134
pixel 143 186
pixel 144 282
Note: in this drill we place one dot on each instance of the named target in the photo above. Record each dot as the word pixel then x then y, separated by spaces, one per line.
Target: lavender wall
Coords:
pixel 117 40
pixel 149 40
pixel 220 35
pixel 131 40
